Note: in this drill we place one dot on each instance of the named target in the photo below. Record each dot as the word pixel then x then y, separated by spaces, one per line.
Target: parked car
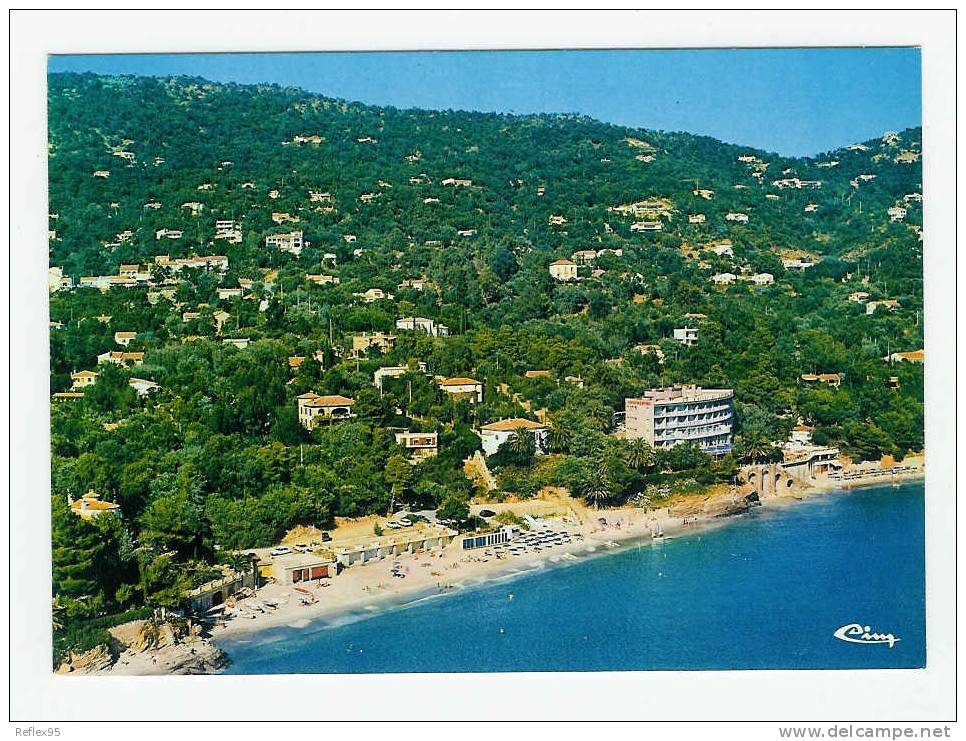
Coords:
pixel 406 522
pixel 393 525
pixel 282 551
pixel 325 537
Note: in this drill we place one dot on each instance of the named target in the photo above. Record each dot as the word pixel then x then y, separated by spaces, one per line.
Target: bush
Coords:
pixel 83 635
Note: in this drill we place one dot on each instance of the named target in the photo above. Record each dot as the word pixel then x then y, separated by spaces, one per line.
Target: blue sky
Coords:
pixel 790 101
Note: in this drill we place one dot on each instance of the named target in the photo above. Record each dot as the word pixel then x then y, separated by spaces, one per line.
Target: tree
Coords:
pixel 454 508
pixel 81 553
pixel 399 475
pixel 640 455
pixel 521 446
pixel 753 446
pixel 596 489
pixel 557 439
pixel 173 521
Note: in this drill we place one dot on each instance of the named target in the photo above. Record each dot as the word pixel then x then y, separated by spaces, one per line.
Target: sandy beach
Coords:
pixel 370 587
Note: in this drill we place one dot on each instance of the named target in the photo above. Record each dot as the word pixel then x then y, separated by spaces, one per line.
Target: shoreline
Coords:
pixel 365 590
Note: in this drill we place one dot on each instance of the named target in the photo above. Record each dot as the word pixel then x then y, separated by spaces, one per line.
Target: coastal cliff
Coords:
pixel 147 647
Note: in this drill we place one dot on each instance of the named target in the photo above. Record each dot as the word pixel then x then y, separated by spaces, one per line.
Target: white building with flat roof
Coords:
pixel 421 445
pixel 682 414
pixel 394 371
pixel 291 242
pixel 428 326
pixel 686 335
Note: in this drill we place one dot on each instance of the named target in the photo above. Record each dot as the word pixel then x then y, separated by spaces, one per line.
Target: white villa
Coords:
pixel 495 434
pixel 291 242
pixel 428 326
pixel 563 270
pixel 312 407
pixel 461 386
pixel 422 445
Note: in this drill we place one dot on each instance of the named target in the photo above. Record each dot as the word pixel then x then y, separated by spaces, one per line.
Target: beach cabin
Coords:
pixel 486 540
pixel 215 592
pixel 301 567
pixel 427 539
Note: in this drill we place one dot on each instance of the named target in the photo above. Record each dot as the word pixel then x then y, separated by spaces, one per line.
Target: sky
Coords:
pixel 788 101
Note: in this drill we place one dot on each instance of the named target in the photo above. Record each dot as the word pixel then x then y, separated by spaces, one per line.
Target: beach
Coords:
pixel 371 587
pixel 368 589
pixel 763 590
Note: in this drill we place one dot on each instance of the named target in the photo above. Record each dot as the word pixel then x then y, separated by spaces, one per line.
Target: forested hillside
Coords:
pixel 472 207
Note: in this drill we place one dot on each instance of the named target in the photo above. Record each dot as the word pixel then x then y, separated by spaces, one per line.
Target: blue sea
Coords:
pixel 766 591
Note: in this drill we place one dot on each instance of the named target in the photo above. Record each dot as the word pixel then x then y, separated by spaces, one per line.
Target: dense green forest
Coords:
pixel 217 459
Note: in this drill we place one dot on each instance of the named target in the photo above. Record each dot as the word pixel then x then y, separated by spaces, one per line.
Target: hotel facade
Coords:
pixel 682 414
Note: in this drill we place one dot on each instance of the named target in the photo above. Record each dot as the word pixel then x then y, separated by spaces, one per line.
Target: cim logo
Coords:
pixel 858 633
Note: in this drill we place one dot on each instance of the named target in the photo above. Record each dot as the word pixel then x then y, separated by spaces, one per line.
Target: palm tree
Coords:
pixel 557 439
pixel 640 455
pixel 521 445
pixel 754 447
pixel 597 489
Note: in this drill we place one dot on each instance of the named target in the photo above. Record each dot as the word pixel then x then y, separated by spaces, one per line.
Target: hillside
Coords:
pixel 454 217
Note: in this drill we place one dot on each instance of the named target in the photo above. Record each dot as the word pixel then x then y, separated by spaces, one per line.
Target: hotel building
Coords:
pixel 682 414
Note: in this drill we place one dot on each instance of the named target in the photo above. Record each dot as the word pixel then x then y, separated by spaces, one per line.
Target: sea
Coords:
pixel 766 590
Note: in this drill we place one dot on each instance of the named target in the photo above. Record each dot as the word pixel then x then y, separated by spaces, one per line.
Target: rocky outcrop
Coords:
pixel 95 661
pixel 149 647
pixel 721 501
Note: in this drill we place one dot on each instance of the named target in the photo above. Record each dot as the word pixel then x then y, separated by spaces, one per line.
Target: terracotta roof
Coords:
pixel 330 401
pixel 915 355
pixel 562 261
pixel 145 381
pixel 537 373
pixel 92 500
pixel 83 374
pixel 514 424
pixel 458 381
